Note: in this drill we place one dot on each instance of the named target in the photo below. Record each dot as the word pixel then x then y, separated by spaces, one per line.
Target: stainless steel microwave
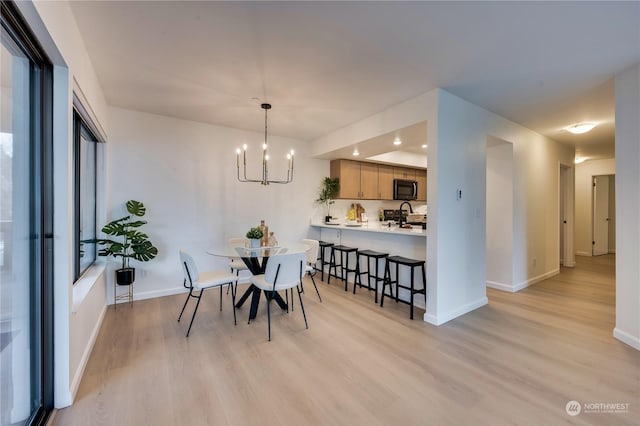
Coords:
pixel 405 189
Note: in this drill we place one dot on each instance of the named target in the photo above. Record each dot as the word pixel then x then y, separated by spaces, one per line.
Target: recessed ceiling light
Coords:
pixel 424 145
pixel 580 128
pixel 397 141
pixel 355 152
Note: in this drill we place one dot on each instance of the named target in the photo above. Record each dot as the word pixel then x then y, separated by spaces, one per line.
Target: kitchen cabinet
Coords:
pixel 368 181
pixel 421 178
pixel 361 180
pixel 349 174
pixel 404 173
pixel 385 182
pixel 358 180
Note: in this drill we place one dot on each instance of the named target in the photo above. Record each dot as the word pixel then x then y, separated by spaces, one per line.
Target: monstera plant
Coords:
pixel 129 242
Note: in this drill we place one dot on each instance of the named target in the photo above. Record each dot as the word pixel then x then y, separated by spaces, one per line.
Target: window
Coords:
pixel 26 226
pixel 85 154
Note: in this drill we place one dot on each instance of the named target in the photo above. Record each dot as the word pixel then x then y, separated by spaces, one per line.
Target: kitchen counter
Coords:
pixel 415 231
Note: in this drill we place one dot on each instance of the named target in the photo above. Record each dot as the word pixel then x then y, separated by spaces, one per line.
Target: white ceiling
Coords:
pixel 324 65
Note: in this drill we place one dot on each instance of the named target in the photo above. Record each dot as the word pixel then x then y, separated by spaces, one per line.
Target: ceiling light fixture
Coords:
pixel 424 145
pixel 265 157
pixel 579 160
pixel 355 152
pixel 580 128
pixel 397 141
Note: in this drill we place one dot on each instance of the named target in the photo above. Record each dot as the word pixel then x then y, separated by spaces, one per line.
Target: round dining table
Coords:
pixel 256 259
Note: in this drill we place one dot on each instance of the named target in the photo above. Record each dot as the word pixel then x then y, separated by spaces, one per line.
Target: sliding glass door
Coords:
pixel 25 227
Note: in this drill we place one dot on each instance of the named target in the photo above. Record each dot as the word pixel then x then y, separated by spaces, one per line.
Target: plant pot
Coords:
pixel 125 276
pixel 255 242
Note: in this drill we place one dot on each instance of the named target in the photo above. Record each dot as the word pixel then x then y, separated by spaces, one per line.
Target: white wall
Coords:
pixel 185 174
pixel 55 28
pixel 584 200
pixel 627 86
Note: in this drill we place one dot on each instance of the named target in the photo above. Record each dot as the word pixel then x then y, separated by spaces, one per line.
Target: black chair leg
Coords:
pixel 195 310
pixel 233 302
pixel 269 316
pixel 315 286
pixel 185 304
pixel 220 298
pixel 302 306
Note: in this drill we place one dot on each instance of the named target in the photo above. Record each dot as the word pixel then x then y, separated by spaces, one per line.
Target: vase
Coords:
pixel 255 242
pixel 125 276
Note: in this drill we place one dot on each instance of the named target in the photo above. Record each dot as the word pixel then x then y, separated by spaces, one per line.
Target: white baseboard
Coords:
pixel 627 338
pixel 156 293
pixel 441 319
pixel 583 253
pixel 512 288
pixel 500 286
pixel 77 378
pixel 536 279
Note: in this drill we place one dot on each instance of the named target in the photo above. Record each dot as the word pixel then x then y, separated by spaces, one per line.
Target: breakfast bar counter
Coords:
pixel 415 231
pixel 410 243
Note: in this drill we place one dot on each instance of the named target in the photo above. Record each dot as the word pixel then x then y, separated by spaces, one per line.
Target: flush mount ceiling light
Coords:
pixel 265 157
pixel 580 128
pixel 424 145
pixel 397 141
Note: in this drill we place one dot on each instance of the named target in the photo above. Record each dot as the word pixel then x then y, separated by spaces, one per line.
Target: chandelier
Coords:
pixel 265 159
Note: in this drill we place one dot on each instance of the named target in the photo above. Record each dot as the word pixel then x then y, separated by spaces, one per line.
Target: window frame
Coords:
pixel 80 126
pixel 41 211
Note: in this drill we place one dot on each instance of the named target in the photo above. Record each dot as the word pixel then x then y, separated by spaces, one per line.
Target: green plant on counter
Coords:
pixel 255 233
pixel 329 189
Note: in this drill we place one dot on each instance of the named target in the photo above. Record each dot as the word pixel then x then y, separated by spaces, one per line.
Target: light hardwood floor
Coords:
pixel 518 360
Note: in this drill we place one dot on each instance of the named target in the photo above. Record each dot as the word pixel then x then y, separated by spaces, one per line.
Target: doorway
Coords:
pixel 566 256
pixel 603 218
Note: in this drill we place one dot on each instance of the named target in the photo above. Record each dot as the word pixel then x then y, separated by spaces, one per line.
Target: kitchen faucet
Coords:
pixel 410 211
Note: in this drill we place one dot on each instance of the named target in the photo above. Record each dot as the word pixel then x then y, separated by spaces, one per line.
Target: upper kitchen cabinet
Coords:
pixel 349 174
pixel 404 173
pixel 421 178
pixel 358 180
pixel 385 182
pixel 369 181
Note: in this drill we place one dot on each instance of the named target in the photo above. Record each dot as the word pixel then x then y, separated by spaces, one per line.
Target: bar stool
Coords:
pixel 321 258
pixel 344 252
pixel 369 254
pixel 411 263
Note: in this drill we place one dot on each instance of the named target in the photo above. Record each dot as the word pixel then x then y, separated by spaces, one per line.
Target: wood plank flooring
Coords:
pixel 518 360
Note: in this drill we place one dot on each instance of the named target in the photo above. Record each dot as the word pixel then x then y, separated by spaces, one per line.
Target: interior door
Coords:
pixel 600 215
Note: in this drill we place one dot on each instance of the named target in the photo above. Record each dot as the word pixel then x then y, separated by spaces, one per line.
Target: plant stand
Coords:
pixel 126 295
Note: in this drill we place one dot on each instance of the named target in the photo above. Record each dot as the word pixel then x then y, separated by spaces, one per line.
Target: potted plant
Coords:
pixel 255 235
pixel 130 242
pixel 329 189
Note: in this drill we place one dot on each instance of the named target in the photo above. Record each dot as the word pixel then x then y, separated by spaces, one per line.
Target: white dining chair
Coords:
pixel 283 272
pixel 198 282
pixel 312 258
